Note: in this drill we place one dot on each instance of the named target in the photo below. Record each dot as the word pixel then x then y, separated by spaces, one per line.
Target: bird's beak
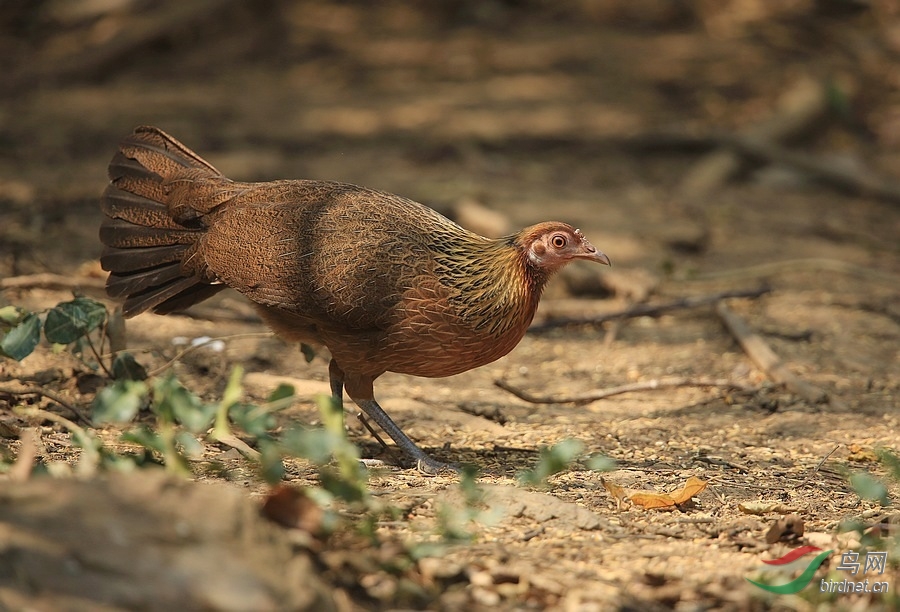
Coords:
pixel 590 253
pixel 596 256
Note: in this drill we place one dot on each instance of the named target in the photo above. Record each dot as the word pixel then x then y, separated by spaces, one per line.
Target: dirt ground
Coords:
pixel 587 112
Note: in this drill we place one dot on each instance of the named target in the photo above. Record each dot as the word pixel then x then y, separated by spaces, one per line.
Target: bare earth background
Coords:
pixel 591 112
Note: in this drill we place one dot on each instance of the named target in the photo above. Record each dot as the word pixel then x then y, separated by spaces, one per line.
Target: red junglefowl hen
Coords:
pixel 385 283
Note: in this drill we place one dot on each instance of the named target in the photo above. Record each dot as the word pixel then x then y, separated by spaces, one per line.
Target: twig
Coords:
pixel 200 345
pixel 721 462
pixel 97 354
pixel 651 310
pixel 799 108
pixel 649 385
pixel 824 459
pixel 51 281
pixel 766 359
pixel 27 390
pixel 237 444
pixel 855 180
pixel 90 452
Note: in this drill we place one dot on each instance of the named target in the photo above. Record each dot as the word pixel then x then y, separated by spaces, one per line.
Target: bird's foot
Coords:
pixel 424 464
pixel 430 466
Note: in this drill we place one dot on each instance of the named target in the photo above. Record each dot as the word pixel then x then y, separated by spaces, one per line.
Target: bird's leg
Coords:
pixel 336 378
pixel 360 391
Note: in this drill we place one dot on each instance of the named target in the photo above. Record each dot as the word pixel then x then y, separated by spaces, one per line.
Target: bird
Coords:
pixel 385 283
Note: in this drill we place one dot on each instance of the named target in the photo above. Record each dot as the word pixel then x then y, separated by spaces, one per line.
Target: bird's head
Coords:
pixel 549 246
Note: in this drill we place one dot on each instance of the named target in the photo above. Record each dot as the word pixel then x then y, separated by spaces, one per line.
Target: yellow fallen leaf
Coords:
pixel 620 494
pixel 652 500
pixel 861 454
pixel 692 487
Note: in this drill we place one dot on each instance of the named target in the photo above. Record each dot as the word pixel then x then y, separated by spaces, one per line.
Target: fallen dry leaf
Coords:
pixel 620 494
pixel 652 500
pixel 861 454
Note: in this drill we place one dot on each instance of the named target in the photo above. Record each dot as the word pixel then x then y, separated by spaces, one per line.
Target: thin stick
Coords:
pixel 90 457
pixel 362 419
pixel 649 385
pixel 766 359
pixel 856 180
pixel 199 345
pixel 651 310
pixel 27 390
pixel 53 418
pixel 800 107
pixel 237 444
pixel 97 355
pixel 824 459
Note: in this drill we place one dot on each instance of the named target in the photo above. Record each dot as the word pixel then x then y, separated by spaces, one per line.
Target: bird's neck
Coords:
pixel 502 288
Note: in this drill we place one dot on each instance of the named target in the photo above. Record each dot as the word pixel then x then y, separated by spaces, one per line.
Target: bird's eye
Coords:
pixel 558 241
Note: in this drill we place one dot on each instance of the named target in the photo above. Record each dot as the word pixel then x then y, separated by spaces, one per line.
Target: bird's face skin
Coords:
pixel 557 246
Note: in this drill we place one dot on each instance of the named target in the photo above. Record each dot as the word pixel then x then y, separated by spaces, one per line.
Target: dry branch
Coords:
pixel 800 108
pixel 651 310
pixel 50 395
pixel 860 181
pixel 766 359
pixel 649 385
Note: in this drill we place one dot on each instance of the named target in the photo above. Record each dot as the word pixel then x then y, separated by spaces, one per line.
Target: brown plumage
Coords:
pixel 387 284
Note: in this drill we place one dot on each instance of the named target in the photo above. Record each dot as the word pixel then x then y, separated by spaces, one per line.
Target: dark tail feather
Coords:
pixel 152 224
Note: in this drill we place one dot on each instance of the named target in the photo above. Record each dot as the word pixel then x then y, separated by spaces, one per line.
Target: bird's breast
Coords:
pixel 440 331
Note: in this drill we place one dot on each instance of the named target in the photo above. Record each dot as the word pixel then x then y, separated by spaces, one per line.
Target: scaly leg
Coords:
pixel 360 391
pixel 336 378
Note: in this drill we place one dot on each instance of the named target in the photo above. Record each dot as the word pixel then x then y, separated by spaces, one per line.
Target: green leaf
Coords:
pixel 143 436
pixel 233 390
pixel 601 463
pixel 119 402
pixel 553 460
pixel 230 397
pixel 281 392
pixel 309 353
pixel 332 414
pixel 68 321
pixel 890 461
pixel 189 444
pixel 868 487
pixel 252 419
pixel 175 404
pixel 20 341
pixel 11 315
pixel 313 444
pixel 271 465
pixel 126 367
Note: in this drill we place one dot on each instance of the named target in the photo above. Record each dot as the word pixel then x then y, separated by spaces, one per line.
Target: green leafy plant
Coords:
pixel 557 458
pixel 79 324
